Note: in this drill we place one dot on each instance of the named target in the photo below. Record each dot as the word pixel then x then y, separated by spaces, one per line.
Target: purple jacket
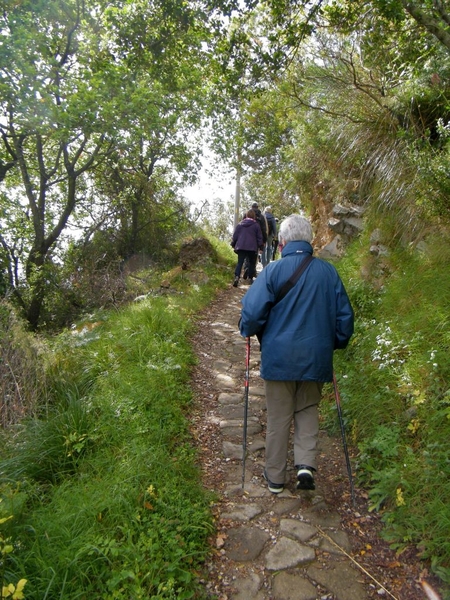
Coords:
pixel 247 236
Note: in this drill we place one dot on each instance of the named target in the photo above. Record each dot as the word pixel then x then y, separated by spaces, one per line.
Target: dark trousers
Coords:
pixel 251 256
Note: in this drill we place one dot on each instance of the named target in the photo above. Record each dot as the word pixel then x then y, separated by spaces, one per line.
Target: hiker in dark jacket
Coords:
pixel 275 241
pixel 261 219
pixel 247 240
pixel 267 254
pixel 300 333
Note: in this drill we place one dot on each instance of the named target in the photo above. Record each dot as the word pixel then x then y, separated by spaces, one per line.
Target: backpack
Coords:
pixel 270 224
pixel 261 219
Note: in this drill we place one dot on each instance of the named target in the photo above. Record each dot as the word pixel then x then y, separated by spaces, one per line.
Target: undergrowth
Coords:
pixel 394 382
pixel 101 492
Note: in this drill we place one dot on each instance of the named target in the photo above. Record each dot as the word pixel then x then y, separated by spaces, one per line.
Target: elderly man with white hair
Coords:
pixel 299 330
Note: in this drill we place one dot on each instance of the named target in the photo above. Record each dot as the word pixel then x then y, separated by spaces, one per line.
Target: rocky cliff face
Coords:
pixel 336 226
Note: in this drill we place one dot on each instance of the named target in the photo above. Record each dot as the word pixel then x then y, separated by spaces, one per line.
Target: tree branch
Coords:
pixel 429 22
pixel 440 9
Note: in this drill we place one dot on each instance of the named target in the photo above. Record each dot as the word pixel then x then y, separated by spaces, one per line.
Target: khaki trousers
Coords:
pixel 287 400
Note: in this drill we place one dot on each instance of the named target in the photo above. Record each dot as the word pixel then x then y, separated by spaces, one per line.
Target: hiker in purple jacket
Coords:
pixel 247 240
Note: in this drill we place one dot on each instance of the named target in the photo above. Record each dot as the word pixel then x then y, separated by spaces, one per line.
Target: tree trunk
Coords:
pixel 433 24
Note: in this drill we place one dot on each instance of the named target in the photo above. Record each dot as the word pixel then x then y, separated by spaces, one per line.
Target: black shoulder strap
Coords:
pixel 294 278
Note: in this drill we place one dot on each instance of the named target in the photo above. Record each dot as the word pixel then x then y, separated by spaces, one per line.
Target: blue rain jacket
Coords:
pixel 306 326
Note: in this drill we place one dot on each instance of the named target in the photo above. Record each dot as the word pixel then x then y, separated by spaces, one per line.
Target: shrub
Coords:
pixel 22 380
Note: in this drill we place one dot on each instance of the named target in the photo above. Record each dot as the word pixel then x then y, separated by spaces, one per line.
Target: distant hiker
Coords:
pixel 305 326
pixel 275 241
pixel 267 253
pixel 247 240
pixel 261 220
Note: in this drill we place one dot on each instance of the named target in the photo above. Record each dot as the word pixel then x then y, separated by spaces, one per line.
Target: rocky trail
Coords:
pixel 297 545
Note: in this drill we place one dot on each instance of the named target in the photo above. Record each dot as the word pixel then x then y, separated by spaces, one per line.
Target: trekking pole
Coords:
pixel 247 377
pixel 344 442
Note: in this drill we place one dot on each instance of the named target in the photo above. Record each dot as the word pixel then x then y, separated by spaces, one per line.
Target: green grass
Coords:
pixel 104 488
pixel 394 381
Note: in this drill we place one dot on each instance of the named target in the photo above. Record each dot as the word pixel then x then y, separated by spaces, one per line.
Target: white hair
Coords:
pixel 296 228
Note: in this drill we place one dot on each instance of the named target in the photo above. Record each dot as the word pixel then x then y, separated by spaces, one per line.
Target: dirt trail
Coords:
pixel 291 546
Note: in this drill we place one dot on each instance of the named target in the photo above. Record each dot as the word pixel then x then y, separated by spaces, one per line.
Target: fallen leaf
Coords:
pixel 394 565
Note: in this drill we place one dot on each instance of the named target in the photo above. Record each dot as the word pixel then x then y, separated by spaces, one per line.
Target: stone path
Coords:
pixel 289 546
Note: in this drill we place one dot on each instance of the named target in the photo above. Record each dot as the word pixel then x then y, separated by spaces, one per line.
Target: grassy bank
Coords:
pixel 101 492
pixel 394 381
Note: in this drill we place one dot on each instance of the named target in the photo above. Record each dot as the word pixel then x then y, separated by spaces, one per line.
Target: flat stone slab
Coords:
pixel 239 422
pixel 235 427
pixel 340 578
pixel 225 381
pixel 287 506
pixel 223 325
pixel 233 473
pixel 248 588
pixel 232 411
pixel 319 515
pixel 245 543
pixel 229 398
pixel 257 391
pixel 238 350
pixel 242 512
pixel 341 540
pixel 231 450
pixel 251 490
pixel 222 365
pixel 297 529
pixel 256 400
pixel 236 412
pixel 256 445
pixel 293 586
pixel 287 554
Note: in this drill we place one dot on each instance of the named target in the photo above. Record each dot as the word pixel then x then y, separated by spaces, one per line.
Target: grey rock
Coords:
pixel 287 506
pixel 257 391
pixel 341 540
pixel 227 398
pixel 222 365
pixel 235 427
pixel 348 211
pixel 251 490
pixel 243 512
pixel 231 450
pixel 287 554
pixel 379 250
pixel 332 250
pixel 376 236
pixel 334 224
pixel 349 226
pixel 222 325
pixel 298 529
pixel 256 445
pixel 245 543
pixel 233 472
pixel 231 411
pixel 422 247
pixel 248 588
pixel 225 381
pixel 341 579
pixel 293 586
pixel 323 518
